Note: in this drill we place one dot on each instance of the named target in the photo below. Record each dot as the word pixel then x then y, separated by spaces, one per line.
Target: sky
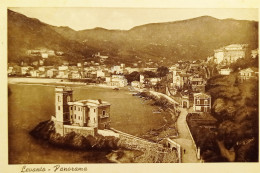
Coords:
pixel 79 18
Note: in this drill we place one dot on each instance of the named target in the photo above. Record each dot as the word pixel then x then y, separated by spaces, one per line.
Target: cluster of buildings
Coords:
pixel 192 76
pixel 44 53
pixel 111 76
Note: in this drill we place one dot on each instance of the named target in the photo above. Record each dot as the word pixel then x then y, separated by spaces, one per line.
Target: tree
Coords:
pixel 149 74
pixel 236 109
pixel 134 76
pixel 162 71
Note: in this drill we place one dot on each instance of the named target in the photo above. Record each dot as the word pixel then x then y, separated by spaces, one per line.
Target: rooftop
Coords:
pixel 89 102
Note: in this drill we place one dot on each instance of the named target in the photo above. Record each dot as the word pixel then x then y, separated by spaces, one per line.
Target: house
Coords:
pixel 35 73
pixel 63 67
pixel 202 102
pixel 116 80
pixel 254 53
pixel 100 73
pixel 25 70
pixel 75 75
pixel 44 55
pixel 51 73
pixel 102 57
pixel 64 74
pixel 231 53
pixel 136 84
pixel 225 71
pixel 197 84
pixel 42 74
pixel 41 69
pixel 179 78
pixel 130 70
pixel 81 113
pixel 249 73
pixel 117 69
pixel 10 70
pixel 154 80
pixel 79 64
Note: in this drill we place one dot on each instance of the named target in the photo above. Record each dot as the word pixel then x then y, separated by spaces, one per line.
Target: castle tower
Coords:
pixel 63 95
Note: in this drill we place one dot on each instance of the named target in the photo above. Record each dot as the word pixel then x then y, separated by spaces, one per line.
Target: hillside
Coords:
pixel 27 33
pixel 180 40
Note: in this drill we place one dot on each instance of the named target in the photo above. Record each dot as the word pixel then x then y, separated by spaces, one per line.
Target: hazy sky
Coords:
pixel 125 18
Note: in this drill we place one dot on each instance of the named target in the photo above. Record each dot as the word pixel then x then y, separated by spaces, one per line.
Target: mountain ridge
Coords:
pixel 191 39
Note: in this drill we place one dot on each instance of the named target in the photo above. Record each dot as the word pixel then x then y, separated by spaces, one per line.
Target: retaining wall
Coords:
pixel 197 148
pixel 65 129
pixel 172 144
pixel 85 131
pixel 136 143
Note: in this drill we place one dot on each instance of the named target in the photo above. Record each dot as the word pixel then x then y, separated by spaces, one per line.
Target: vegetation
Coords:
pixel 242 63
pixel 235 106
pixel 162 71
pixel 134 76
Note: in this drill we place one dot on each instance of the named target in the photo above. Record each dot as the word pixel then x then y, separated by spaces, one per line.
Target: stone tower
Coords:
pixel 63 95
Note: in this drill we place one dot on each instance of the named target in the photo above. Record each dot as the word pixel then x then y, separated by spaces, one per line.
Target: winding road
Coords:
pixel 185 139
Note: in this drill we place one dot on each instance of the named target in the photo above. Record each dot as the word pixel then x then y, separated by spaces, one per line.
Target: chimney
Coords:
pixel 100 101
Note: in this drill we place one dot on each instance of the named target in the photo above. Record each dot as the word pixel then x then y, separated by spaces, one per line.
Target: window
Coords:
pixel 71 108
pixel 58 98
pixel 75 116
pixel 79 117
pixel 104 112
pixel 75 108
pixel 58 107
pixel 198 101
pixel 205 102
pixel 94 110
pixel 78 109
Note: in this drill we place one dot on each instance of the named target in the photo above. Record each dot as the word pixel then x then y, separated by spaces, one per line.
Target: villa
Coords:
pixel 86 116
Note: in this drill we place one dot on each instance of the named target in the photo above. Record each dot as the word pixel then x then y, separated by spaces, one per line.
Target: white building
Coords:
pixel 247 74
pixel 117 69
pixel 202 102
pixel 136 84
pixel 116 80
pixel 92 114
pixel 225 71
pixel 100 73
pixel 231 53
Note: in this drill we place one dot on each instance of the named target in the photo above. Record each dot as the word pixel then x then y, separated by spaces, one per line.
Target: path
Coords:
pixel 185 139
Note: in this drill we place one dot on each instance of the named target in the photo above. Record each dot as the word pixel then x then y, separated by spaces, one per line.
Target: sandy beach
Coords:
pixel 29 80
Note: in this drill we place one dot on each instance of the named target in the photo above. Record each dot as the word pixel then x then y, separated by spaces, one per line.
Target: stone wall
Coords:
pixel 136 143
pixel 172 144
pixel 85 131
pixel 65 129
pixel 197 148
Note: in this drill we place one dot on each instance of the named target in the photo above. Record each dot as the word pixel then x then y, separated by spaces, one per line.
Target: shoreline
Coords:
pixel 163 131
pixel 51 81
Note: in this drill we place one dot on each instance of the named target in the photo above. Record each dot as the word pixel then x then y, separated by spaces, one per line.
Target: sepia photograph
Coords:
pixel 128 85
pixel 103 87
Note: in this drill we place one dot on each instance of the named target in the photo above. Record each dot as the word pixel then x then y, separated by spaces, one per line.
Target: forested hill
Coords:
pixel 180 40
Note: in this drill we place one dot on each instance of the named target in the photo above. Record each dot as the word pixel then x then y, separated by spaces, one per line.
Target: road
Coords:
pixel 185 139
